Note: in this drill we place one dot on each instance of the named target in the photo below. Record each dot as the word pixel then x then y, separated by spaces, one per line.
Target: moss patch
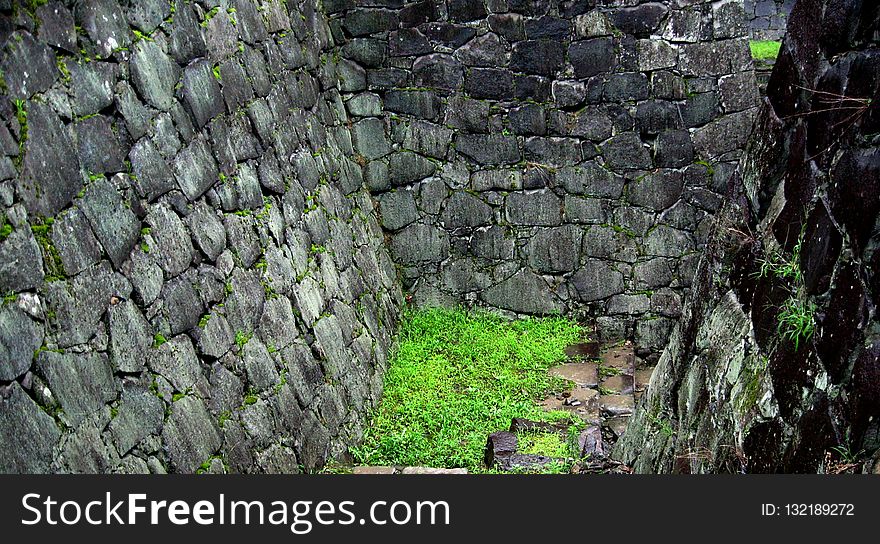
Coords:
pixel 765 49
pixel 457 376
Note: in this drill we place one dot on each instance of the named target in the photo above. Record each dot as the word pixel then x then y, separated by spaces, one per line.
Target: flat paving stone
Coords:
pixel 589 350
pixel 621 384
pixel 429 470
pixel 585 374
pixel 623 358
pixel 373 470
pixel 616 405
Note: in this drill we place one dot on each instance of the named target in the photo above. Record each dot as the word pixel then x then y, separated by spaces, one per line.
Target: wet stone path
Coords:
pixel 604 386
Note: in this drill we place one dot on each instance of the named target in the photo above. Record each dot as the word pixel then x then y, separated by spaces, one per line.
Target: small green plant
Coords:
pixel 216 71
pixel 796 321
pixel 158 339
pixel 242 338
pixel 846 452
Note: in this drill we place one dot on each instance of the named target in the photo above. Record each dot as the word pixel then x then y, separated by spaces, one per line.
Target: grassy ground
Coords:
pixel 765 49
pixel 458 376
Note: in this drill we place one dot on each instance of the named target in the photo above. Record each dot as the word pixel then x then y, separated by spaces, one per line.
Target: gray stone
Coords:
pixel 20 337
pixel 27 434
pixel 665 241
pixel 105 24
pixel 368 136
pixel 21 262
pixel 182 303
pixel 421 104
pixel 173 247
pixel 584 210
pixel 258 364
pixel 50 176
pixel 738 91
pixel 398 209
pixel 364 105
pixel 542 208
pixel 656 54
pixel 596 280
pixel 504 180
pixel 28 65
pixel 97 145
pixel 494 149
pixel 723 135
pixel 216 336
pixel 657 190
pixel 278 327
pixel 625 152
pixel 153 176
pixel 592 124
pixel 113 223
pixel 541 57
pixel 592 57
pixel 554 152
pixel 154 74
pixel 465 210
pixel 92 85
pixel 419 243
pixel 195 168
pixel 187 41
pixel 555 250
pixel 190 435
pixel 82 382
pixel 467 114
pixel 590 179
pixel 351 77
pixel 140 414
pixel 673 149
pixel 56 26
pixel 201 92
pixel 493 243
pixel 130 337
pixel 207 230
pixel 427 138
pixel 524 292
pixel 176 361
pixel 406 167
pixel 438 72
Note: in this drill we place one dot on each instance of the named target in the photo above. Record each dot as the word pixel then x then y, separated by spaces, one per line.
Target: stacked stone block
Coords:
pixel 796 242
pixel 193 274
pixel 768 18
pixel 542 156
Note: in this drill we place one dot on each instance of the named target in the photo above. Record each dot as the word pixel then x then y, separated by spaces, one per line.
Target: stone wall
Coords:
pixel 192 272
pixel 548 155
pixel 768 18
pixel 797 242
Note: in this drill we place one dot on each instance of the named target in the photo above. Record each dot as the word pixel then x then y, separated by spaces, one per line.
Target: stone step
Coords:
pixel 583 374
pixel 616 405
pixel 584 350
pixel 621 384
pixel 622 358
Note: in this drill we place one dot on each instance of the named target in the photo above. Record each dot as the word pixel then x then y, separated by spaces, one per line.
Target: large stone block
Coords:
pixel 27 434
pixel 524 292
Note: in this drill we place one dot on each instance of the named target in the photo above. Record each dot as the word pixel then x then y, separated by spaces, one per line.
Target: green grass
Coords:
pixel 457 376
pixel 764 49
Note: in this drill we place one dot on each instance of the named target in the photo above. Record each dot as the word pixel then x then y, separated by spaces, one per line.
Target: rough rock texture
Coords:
pixel 737 389
pixel 768 18
pixel 192 271
pixel 548 156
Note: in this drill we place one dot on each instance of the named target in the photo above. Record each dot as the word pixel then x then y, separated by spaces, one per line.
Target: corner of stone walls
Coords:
pixel 541 156
pixel 192 271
